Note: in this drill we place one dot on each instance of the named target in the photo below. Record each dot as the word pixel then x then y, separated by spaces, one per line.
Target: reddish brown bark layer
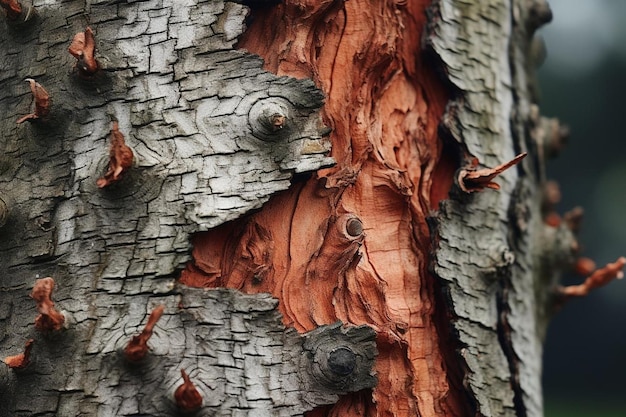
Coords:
pixel 384 104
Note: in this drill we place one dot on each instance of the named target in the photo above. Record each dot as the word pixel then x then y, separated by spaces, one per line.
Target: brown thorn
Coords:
pixel 277 121
pixel 584 266
pixel 42 102
pixel 83 48
pixel 138 346
pixel 187 396
pixel 552 219
pixel 551 195
pixel 573 219
pixel 49 318
pixel 12 8
pixel 471 179
pixel 120 158
pixel 598 279
pixel 22 360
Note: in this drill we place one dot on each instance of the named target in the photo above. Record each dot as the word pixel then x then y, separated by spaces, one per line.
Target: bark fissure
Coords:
pixel 506 342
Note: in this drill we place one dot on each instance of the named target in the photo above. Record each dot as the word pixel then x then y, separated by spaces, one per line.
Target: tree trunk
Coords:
pixel 387 243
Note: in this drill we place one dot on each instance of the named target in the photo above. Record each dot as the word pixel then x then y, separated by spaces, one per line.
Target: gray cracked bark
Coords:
pixel 500 295
pixel 196 114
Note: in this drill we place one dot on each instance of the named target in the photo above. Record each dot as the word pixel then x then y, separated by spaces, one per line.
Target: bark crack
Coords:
pixel 504 337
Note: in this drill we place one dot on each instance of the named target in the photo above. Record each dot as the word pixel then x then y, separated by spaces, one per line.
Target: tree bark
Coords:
pixel 451 289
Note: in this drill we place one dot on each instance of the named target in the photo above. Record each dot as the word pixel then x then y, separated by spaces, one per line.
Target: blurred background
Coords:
pixel 583 83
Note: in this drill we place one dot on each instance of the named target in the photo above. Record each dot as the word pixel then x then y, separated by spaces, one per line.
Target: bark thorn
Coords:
pixel 42 102
pixel 472 179
pixel 12 8
pixel 120 158
pixel 138 346
pixel 22 360
pixel 277 121
pixel 584 266
pixel 187 396
pixel 83 48
pixel 49 318
pixel 573 219
pixel 598 279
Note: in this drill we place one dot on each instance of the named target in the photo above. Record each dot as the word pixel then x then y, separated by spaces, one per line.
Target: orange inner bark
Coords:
pixel 384 103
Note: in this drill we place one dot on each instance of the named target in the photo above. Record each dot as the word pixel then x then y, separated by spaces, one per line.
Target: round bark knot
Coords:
pixel 137 184
pixel 269 118
pixel 340 359
pixel 540 14
pixel 354 227
pixel 350 227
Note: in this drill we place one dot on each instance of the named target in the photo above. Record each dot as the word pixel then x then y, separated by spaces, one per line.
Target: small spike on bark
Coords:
pixel 598 279
pixel 120 158
pixel 187 397
pixel 137 348
pixel 83 48
pixel 584 266
pixel 22 360
pixel 12 8
pixel 472 179
pixel 49 318
pixel 42 102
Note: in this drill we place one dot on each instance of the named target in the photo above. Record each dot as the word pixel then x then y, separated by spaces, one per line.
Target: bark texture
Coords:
pixel 230 153
pixel 463 337
pixel 200 119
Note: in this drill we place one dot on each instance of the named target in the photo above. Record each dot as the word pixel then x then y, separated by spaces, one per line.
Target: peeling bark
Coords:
pixel 190 106
pixel 445 295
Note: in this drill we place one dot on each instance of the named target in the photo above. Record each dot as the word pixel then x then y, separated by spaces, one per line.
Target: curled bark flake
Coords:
pixel 42 102
pixel 138 346
pixel 49 318
pixel 598 279
pixel 472 179
pixel 120 158
pixel 83 48
pixel 22 360
pixel 12 8
pixel 187 396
